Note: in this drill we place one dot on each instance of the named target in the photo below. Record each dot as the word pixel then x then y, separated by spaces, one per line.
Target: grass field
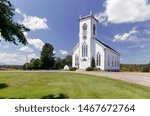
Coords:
pixel 66 85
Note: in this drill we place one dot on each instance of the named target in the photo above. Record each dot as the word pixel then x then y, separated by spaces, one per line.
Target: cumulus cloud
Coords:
pixel 37 43
pixel 30 56
pixel 136 46
pixel 1 37
pixel 147 31
pixel 63 52
pixel 101 17
pixel 125 11
pixel 26 49
pixel 15 59
pixel 33 22
pixel 130 36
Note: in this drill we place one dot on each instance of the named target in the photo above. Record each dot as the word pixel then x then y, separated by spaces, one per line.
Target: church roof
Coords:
pixel 106 46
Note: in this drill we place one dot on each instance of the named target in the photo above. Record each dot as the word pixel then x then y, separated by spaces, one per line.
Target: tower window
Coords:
pixel 94 29
pixel 84 29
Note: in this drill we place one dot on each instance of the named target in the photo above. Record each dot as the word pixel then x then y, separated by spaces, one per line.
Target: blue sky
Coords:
pixel 123 25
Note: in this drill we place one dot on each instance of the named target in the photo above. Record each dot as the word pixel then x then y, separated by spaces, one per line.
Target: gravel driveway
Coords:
pixel 133 77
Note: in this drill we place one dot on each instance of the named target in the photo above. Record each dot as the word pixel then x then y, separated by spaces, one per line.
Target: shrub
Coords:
pixel 91 69
pixel 93 62
pixel 145 69
pixel 73 69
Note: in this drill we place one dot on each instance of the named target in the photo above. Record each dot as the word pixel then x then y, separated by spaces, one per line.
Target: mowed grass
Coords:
pixel 30 85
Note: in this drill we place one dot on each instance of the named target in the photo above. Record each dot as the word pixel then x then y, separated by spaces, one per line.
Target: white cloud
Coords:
pixel 124 11
pixel 15 59
pixel 33 22
pixel 37 43
pixel 26 49
pixel 102 18
pixel 54 52
pixel 8 58
pixel 18 11
pixel 63 52
pixel 1 37
pixel 136 46
pixel 147 31
pixel 25 34
pixel 32 56
pixel 126 36
pixel 6 46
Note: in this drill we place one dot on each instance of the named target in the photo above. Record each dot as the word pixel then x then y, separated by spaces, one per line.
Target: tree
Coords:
pixel 9 29
pixel 36 64
pixel 93 62
pixel 67 60
pixel 47 56
pixel 58 63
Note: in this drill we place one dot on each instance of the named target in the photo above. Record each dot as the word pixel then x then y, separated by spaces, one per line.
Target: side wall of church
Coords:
pixel 112 60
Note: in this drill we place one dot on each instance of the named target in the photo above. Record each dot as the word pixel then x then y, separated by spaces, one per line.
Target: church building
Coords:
pixel 90 49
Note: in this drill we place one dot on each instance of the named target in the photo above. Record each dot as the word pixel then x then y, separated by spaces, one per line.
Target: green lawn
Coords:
pixel 66 85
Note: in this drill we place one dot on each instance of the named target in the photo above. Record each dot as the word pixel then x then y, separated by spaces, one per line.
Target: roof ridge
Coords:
pixel 106 45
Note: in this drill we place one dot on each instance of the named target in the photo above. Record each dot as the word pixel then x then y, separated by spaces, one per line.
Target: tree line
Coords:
pixel 47 60
pixel 135 67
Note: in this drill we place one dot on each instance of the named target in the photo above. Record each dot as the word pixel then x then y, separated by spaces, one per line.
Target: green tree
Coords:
pixel 9 29
pixel 47 56
pixel 67 61
pixel 36 64
pixel 58 63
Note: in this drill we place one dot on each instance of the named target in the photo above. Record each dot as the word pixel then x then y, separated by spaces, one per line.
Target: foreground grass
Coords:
pixel 69 85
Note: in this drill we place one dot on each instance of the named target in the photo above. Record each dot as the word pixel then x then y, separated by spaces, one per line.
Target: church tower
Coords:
pixel 87 33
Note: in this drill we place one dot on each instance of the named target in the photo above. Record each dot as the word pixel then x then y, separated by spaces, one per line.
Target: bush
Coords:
pixel 91 69
pixel 145 69
pixel 93 62
pixel 73 69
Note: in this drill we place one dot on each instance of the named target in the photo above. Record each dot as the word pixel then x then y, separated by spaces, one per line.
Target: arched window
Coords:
pixel 94 29
pixel 84 50
pixel 98 59
pixel 76 61
pixel 84 29
pixel 108 60
pixel 112 61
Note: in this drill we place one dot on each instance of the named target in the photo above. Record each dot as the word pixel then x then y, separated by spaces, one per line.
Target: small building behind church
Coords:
pixel 90 47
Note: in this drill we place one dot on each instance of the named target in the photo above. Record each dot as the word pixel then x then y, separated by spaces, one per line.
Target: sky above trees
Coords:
pixel 123 24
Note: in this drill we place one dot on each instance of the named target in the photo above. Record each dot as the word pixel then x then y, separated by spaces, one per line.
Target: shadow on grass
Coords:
pixel 3 85
pixel 52 96
pixel 12 98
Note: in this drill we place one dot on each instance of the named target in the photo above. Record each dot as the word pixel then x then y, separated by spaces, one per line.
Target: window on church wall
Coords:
pixel 94 29
pixel 76 61
pixel 112 62
pixel 108 61
pixel 98 59
pixel 84 29
pixel 84 50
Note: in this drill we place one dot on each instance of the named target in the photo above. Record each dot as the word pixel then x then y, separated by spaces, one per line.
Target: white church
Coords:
pixel 89 47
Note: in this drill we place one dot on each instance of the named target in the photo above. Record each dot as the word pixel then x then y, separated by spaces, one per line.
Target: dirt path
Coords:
pixel 135 77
